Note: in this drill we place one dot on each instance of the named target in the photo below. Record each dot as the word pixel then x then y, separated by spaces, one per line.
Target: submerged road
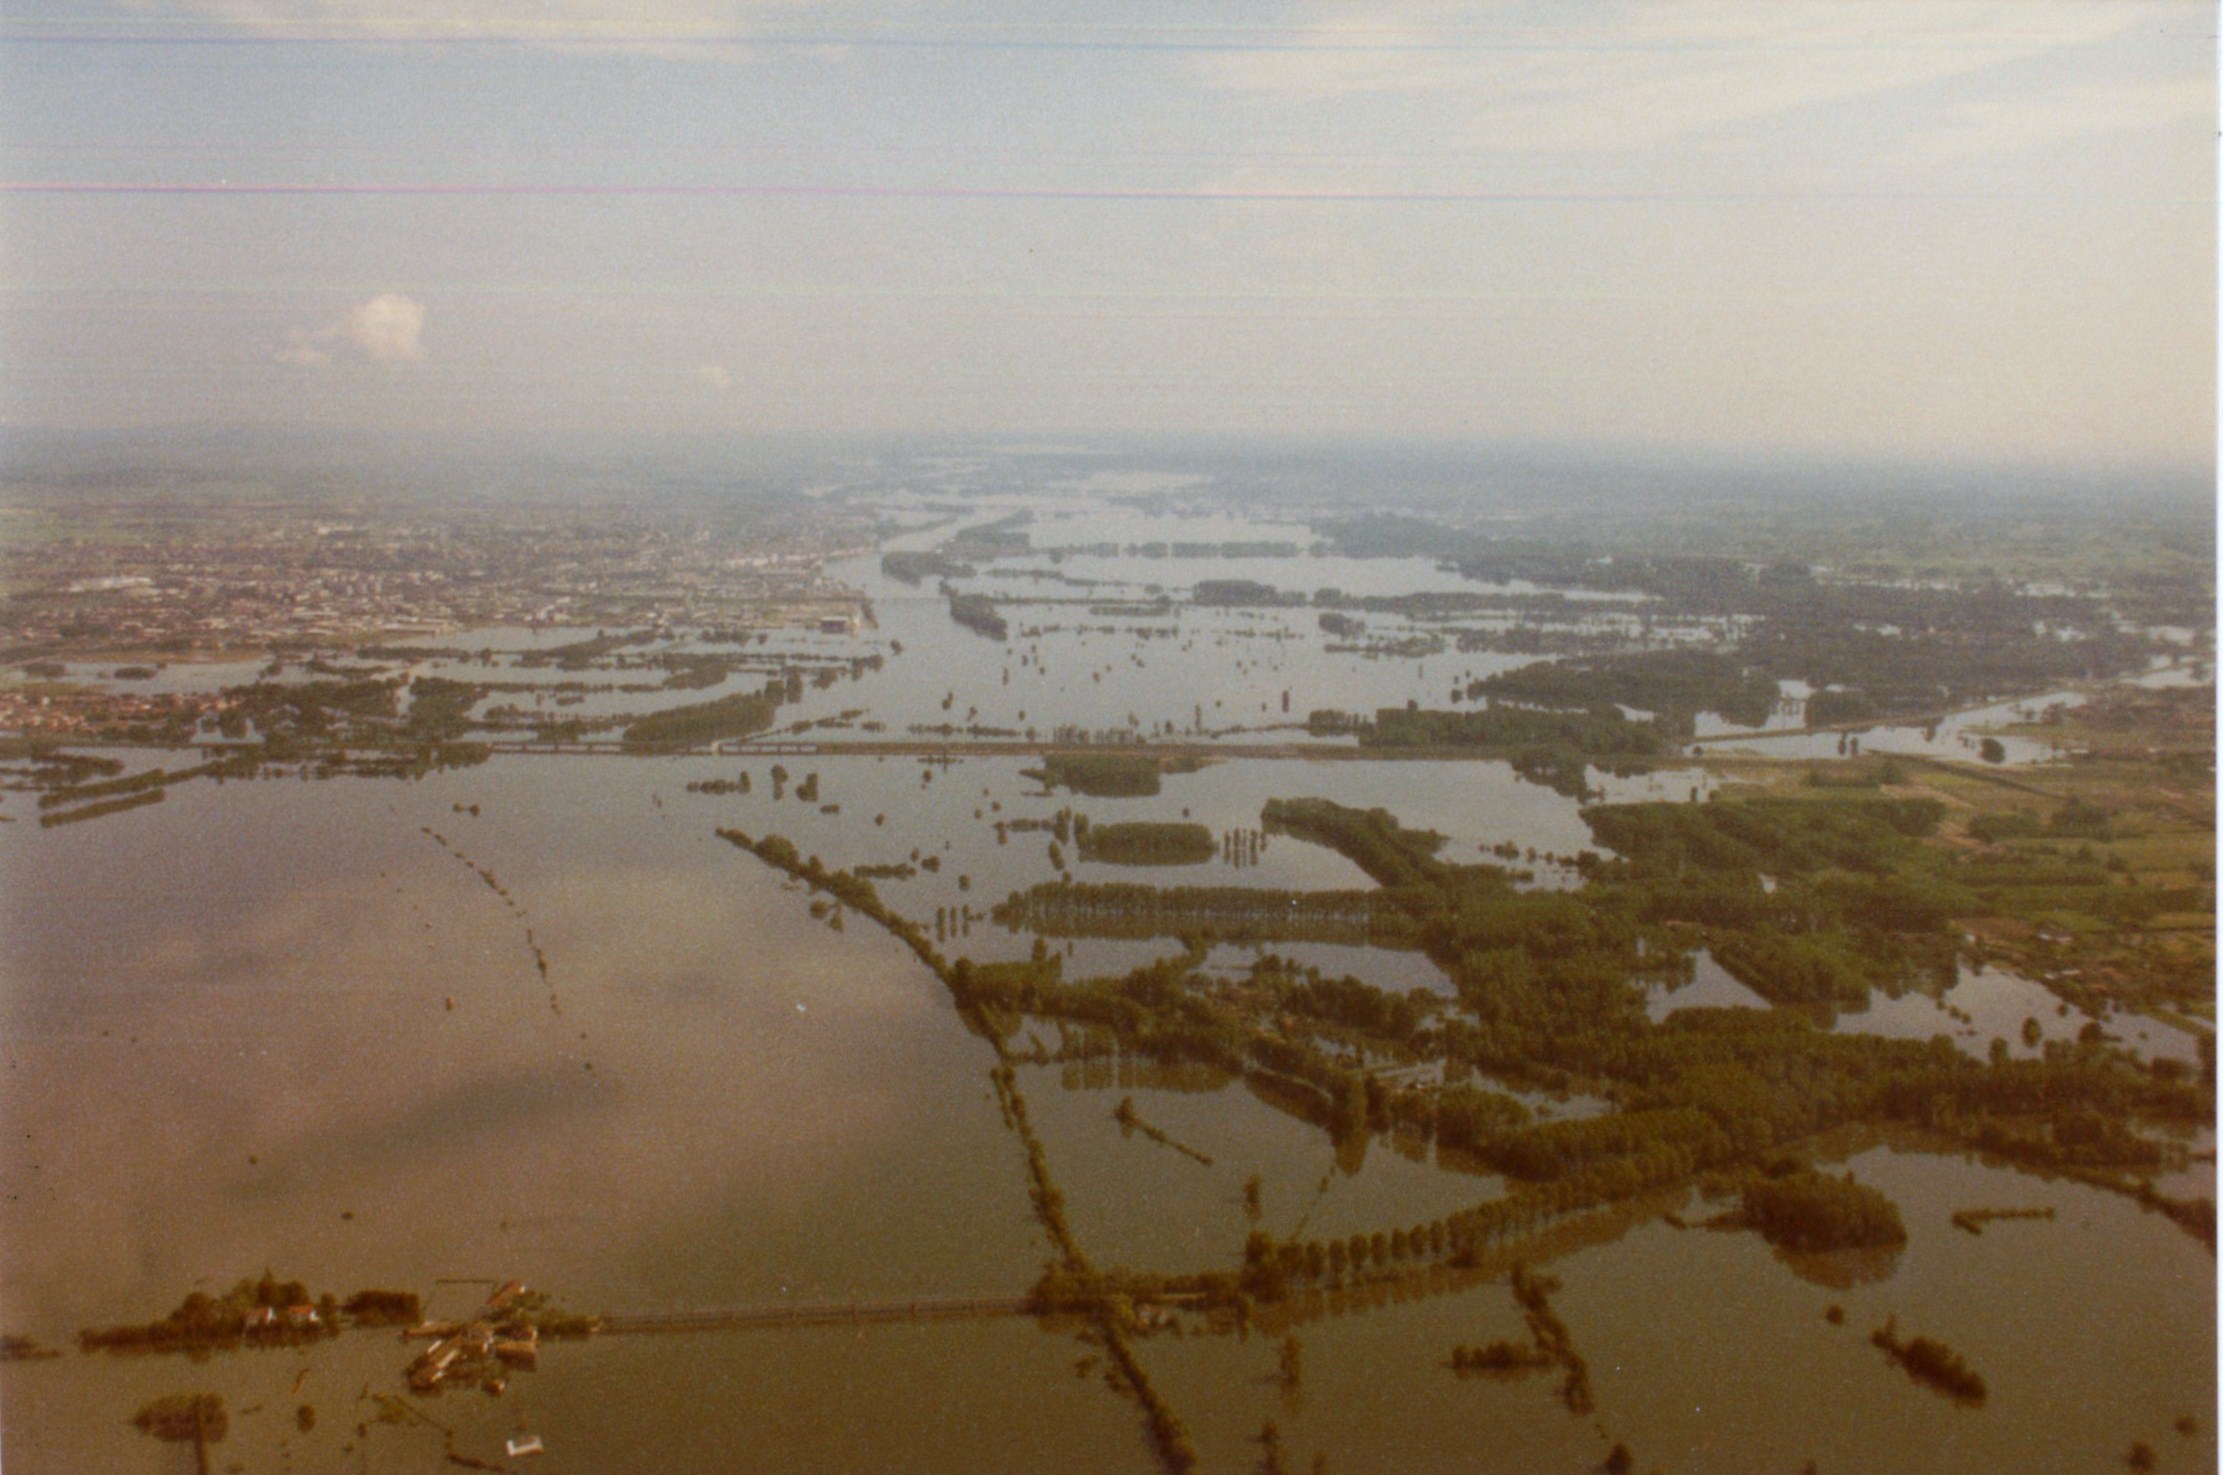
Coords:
pixel 1014 748
pixel 821 1313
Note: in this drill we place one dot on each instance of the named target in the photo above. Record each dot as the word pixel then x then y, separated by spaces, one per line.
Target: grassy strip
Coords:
pixel 138 783
pixel 96 811
pixel 1974 1220
pixel 1131 1120
pixel 1932 1363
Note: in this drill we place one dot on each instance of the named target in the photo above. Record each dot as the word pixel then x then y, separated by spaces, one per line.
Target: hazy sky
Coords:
pixel 1926 228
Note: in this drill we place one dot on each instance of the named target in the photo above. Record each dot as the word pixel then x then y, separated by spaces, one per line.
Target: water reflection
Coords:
pixel 1841 1270
pixel 1987 1004
pixel 1708 987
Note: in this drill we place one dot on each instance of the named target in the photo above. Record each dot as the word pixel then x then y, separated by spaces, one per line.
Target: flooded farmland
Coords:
pixel 978 740
pixel 563 1016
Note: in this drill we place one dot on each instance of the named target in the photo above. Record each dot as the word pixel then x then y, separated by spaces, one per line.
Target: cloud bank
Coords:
pixel 557 22
pixel 1623 74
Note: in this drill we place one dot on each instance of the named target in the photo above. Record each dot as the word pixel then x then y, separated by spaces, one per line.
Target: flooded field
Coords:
pixel 955 740
pixel 539 1018
pixel 711 1099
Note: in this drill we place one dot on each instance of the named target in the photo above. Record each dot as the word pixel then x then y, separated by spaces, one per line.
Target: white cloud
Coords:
pixel 715 376
pixel 387 329
pixel 1639 73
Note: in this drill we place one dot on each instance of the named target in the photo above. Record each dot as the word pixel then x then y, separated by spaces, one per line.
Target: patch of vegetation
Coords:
pixel 1371 839
pixel 1553 748
pixel 1597 732
pixel 383 1308
pixel 1974 1220
pixel 1229 913
pixel 263 1312
pixel 580 655
pixel 1932 1364
pixel 1148 843
pixel 1240 594
pixel 97 811
pixel 1553 1341
pixel 1500 1357
pixel 182 1416
pixel 1834 707
pixel 1546 980
pixel 1674 684
pixel 1811 1212
pixel 1099 775
pixel 1131 1120
pixel 678 728
pixel 976 612
pixel 916 568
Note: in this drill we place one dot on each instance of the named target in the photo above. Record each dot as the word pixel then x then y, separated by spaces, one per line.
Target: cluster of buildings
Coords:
pixel 247 579
pixel 263 1320
pixel 481 1352
pixel 69 712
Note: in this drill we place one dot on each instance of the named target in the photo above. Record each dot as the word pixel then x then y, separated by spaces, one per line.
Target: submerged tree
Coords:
pixel 181 1416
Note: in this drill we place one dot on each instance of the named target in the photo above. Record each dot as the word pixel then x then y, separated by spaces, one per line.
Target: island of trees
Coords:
pixel 1147 843
pixel 1931 1363
pixel 1101 775
pixel 1810 1212
pixel 260 1312
pixel 677 728
pixel 1553 748
pixel 976 612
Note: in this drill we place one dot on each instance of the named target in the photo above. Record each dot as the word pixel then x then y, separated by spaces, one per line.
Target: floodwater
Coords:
pixel 230 1046
pixel 536 1019
pixel 1710 1352
pixel 279 1025
pixel 1958 735
pixel 1982 1005
pixel 1709 986
pixel 1989 1003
